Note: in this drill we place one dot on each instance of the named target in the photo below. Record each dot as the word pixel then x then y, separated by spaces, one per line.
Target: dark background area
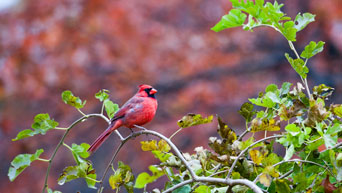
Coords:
pixel 49 46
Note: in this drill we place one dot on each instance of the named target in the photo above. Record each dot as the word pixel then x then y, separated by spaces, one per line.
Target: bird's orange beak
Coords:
pixel 153 91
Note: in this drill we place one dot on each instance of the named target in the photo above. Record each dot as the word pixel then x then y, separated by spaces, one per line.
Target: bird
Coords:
pixel 138 110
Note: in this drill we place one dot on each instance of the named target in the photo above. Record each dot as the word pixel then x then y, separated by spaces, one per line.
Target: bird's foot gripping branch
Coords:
pixel 296 118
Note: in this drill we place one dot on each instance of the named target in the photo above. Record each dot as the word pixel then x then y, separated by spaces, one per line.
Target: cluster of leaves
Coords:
pixel 271 15
pixel 309 124
pixel 43 123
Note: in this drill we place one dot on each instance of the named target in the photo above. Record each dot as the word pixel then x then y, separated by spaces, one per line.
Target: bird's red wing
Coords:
pixel 131 103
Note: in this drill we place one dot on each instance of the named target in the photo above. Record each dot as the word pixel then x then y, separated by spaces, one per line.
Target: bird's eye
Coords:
pixel 147 90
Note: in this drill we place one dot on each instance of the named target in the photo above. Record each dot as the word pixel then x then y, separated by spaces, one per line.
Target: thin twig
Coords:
pixel 243 134
pixel 244 151
pixel 175 133
pixel 194 178
pixel 297 160
pixel 62 141
pixel 108 166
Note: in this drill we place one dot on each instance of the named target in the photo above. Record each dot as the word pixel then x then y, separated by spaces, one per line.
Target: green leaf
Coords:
pixel 42 123
pixel 303 20
pixel 289 31
pixel 246 111
pixel 334 129
pixel 271 88
pixel 111 108
pixel 289 152
pixel 234 18
pixel 336 110
pixel 193 119
pixel 22 161
pixel 329 141
pixel 122 176
pixel 102 95
pixel 322 91
pixel 285 88
pixel 202 189
pixel 312 49
pixel 144 178
pixel 298 66
pixel 270 160
pixel 244 144
pixel 72 100
pixel 24 134
pixel 282 186
pixel 183 189
pixel 53 191
pixel 292 129
pixel 83 170
pixel 80 151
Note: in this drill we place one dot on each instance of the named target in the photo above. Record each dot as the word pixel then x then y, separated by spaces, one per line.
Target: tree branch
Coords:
pixel 62 141
pixel 297 160
pixel 244 151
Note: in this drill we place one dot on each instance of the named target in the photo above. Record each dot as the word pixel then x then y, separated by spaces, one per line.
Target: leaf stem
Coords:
pixel 62 141
pixel 175 132
pixel 43 160
pixel 79 110
pixel 60 128
pixel 244 151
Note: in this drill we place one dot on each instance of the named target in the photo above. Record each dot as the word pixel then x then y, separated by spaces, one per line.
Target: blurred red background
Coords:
pixel 48 46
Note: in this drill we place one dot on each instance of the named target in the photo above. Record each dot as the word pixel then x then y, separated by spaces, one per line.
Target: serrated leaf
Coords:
pixel 22 161
pixel 271 88
pixel 111 108
pixel 303 20
pixel 285 88
pixel 256 156
pixel 83 170
pixel 42 123
pixel 270 160
pixel 193 119
pixel 149 145
pixel 334 129
pixel 264 125
pixel 289 31
pixel 298 66
pixel 234 18
pixel 244 144
pixel 102 95
pixel 292 129
pixel 80 151
pixel 329 141
pixel 322 91
pixel 246 111
pixel 24 134
pixel 122 176
pixel 312 49
pixel 163 146
pixel 72 100
pixel 145 178
pixel 336 110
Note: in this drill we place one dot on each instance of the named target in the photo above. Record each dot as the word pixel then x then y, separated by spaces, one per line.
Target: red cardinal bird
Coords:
pixel 138 110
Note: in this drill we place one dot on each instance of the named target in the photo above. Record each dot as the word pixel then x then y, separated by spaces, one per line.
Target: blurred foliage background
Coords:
pixel 48 46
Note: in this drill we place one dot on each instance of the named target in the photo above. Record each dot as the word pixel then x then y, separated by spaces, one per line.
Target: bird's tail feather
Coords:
pixel 102 138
